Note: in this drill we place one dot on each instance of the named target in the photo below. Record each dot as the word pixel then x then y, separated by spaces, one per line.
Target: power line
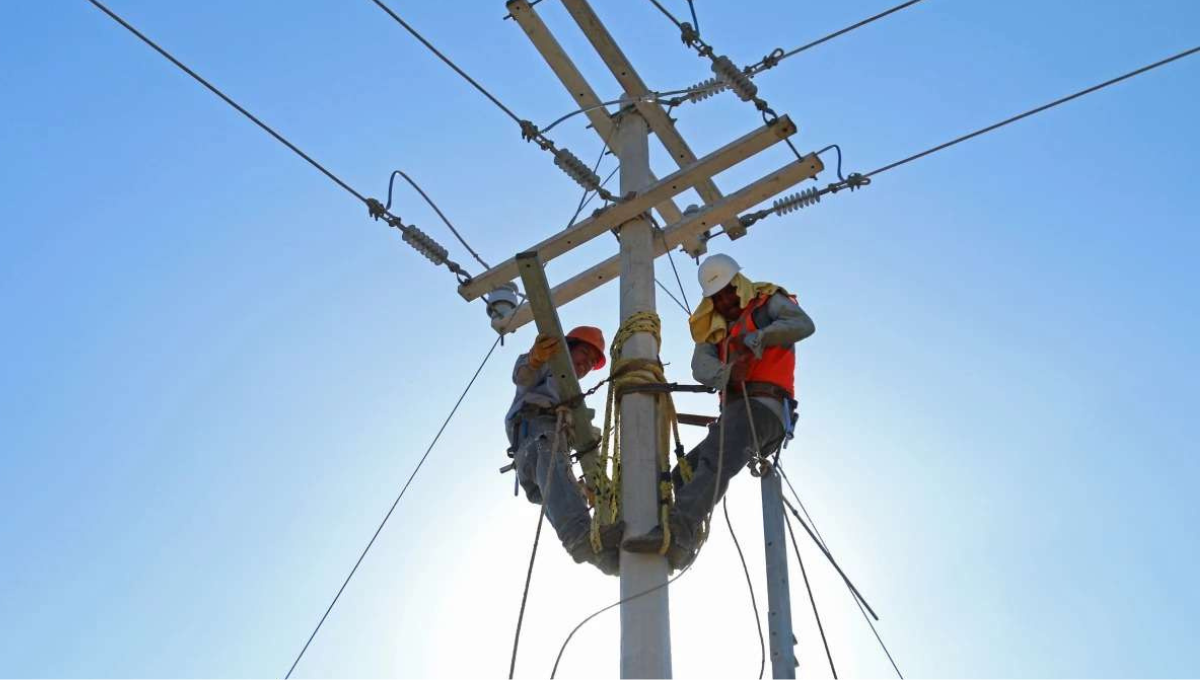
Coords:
pixel 762 645
pixel 1039 109
pixel 811 599
pixel 845 30
pixel 388 516
pixel 821 542
pixel 212 88
pixel 448 61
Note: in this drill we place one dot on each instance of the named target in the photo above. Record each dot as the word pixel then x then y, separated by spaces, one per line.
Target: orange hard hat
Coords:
pixel 592 336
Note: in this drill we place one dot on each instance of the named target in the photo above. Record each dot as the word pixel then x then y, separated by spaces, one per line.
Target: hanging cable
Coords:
pixel 435 209
pixel 762 645
pixel 392 509
pixel 672 296
pixel 821 541
pixel 811 599
pixel 695 21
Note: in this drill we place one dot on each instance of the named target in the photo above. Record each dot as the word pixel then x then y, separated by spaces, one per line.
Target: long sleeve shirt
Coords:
pixel 783 323
pixel 535 386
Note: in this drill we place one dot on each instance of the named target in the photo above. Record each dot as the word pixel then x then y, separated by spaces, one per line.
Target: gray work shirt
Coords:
pixel 783 323
pixel 535 386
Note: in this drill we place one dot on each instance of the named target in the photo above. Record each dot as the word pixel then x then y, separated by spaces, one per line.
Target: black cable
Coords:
pixel 435 209
pixel 695 21
pixel 447 61
pixel 847 29
pixel 672 296
pixel 537 537
pixel 682 292
pixel 821 539
pixel 395 503
pixel 762 645
pixel 229 101
pixel 838 149
pixel 811 599
pixel 1039 109
pixel 667 13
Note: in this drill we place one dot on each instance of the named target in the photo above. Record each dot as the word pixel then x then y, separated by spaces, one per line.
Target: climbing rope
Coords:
pixel 628 376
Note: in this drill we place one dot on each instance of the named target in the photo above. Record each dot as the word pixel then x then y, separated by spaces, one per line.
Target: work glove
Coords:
pixel 543 348
pixel 754 342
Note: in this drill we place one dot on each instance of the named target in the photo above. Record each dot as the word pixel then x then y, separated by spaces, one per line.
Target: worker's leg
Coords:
pixel 694 500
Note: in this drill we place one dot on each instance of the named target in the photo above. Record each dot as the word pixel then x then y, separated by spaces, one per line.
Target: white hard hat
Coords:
pixel 716 272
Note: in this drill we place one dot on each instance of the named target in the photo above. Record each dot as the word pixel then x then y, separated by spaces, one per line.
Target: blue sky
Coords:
pixel 219 371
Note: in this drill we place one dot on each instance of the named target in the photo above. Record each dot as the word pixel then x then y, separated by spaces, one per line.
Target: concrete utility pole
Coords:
pixel 779 599
pixel 645 621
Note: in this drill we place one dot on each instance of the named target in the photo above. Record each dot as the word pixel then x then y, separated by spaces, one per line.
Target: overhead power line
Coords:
pixel 392 509
pixel 845 30
pixel 417 239
pixel 1056 102
pixel 269 130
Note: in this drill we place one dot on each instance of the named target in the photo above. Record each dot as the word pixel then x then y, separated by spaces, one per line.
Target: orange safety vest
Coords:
pixel 777 365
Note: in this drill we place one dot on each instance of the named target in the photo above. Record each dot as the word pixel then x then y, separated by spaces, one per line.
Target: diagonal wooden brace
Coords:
pixel 540 306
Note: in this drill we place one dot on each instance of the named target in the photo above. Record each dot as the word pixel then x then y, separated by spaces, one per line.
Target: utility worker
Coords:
pixel 530 424
pixel 746 335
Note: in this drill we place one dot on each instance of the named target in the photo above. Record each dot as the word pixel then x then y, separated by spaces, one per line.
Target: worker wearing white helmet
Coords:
pixel 746 335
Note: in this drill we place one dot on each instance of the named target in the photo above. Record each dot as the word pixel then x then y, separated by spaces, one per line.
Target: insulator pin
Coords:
pixel 423 243
pixel 734 78
pixel 796 201
pixel 576 169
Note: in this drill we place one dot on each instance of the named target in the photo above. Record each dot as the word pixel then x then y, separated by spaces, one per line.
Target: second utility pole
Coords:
pixel 646 620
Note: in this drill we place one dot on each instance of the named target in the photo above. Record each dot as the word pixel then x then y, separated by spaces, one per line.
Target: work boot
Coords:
pixel 682 549
pixel 608 560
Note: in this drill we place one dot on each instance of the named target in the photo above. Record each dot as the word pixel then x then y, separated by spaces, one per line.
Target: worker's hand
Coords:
pixel 739 368
pixel 543 348
pixel 753 342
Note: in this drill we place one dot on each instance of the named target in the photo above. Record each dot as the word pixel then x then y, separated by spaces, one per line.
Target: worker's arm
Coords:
pixel 707 367
pixel 789 324
pixel 524 375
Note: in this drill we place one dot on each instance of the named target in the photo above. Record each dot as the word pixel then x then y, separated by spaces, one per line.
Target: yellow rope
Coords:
pixel 626 373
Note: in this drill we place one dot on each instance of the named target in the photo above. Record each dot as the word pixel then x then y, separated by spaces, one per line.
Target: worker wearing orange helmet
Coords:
pixel 530 424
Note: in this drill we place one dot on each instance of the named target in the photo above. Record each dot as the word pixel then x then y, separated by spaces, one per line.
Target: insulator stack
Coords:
pixel 734 78
pixel 705 89
pixel 576 169
pixel 796 201
pixel 423 243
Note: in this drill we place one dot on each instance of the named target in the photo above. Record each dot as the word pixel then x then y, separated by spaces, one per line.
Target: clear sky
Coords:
pixel 218 371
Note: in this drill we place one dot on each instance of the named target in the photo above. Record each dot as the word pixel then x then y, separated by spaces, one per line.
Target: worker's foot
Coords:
pixel 681 550
pixel 608 560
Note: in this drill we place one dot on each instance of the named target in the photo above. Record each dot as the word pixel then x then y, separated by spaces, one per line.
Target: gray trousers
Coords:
pixel 695 499
pixel 566 507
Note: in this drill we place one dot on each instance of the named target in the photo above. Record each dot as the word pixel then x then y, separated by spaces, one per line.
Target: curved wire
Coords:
pixel 436 209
